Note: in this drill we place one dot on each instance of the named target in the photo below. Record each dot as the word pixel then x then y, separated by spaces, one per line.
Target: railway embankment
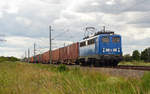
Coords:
pixel 25 78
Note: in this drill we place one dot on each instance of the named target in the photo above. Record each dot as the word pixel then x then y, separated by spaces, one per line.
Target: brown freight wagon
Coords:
pixel 63 54
pixel 31 59
pixel 38 58
pixel 45 57
pixel 69 54
pixel 55 56
pixel 73 53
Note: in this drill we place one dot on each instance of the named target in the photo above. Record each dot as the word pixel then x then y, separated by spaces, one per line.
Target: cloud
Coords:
pixel 114 6
pixel 141 20
pixel 27 21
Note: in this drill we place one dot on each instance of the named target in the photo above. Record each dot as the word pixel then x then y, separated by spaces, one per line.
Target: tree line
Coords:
pixel 2 59
pixel 136 55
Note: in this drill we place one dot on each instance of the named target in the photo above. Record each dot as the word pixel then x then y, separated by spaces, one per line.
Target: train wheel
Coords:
pixel 92 64
pixel 113 63
pixel 107 63
pixel 95 63
pixel 117 63
pixel 102 63
pixel 77 62
pixel 83 63
pixel 110 63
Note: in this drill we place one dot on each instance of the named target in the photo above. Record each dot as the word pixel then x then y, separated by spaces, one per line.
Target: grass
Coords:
pixel 23 78
pixel 136 63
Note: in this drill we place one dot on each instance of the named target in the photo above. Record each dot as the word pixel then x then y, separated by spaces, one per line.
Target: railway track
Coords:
pixel 144 68
pixel 128 67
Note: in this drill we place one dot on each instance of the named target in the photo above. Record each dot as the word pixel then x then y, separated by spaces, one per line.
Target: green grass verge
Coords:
pixel 23 78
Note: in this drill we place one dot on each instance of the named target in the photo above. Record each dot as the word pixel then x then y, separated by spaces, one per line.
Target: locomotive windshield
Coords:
pixel 82 44
pixel 116 39
pixel 105 39
pixel 91 41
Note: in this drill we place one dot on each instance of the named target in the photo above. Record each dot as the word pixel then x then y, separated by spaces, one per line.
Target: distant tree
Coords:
pixel 13 58
pixel 136 55
pixel 2 59
pixel 145 55
pixel 127 57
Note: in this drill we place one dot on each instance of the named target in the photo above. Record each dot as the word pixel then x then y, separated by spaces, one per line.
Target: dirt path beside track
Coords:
pixel 127 73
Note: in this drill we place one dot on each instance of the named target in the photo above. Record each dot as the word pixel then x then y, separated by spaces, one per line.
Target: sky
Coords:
pixel 25 22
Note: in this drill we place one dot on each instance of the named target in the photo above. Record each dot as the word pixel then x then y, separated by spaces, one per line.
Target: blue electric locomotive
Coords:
pixel 102 49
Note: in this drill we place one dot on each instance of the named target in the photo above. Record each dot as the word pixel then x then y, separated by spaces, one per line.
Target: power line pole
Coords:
pixel 50 46
pixel 28 55
pixel 104 29
pixel 34 53
pixel 25 56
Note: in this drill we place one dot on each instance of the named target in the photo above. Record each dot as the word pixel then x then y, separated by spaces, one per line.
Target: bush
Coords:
pixel 62 68
pixel 136 55
pixel 127 57
pixel 145 55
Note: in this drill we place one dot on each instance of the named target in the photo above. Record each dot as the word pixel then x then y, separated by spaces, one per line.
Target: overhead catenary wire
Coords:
pixel 41 49
pixel 62 33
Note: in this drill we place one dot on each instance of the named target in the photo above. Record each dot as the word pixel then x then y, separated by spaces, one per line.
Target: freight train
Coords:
pixel 101 49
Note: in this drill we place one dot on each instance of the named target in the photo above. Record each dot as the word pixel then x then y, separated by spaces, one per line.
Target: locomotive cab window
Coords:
pixel 82 44
pixel 116 39
pixel 105 39
pixel 91 41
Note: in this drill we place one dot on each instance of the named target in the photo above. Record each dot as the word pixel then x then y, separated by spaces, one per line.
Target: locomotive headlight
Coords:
pixel 103 49
pixel 107 49
pixel 118 49
pixel 114 49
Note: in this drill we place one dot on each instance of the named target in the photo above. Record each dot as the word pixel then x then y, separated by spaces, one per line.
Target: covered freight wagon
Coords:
pixel 55 56
pixel 69 54
pixel 63 56
pixel 45 57
pixel 73 53
pixel 31 59
pixel 38 58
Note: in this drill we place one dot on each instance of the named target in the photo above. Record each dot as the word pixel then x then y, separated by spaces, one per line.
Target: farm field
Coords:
pixel 24 78
pixel 135 63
